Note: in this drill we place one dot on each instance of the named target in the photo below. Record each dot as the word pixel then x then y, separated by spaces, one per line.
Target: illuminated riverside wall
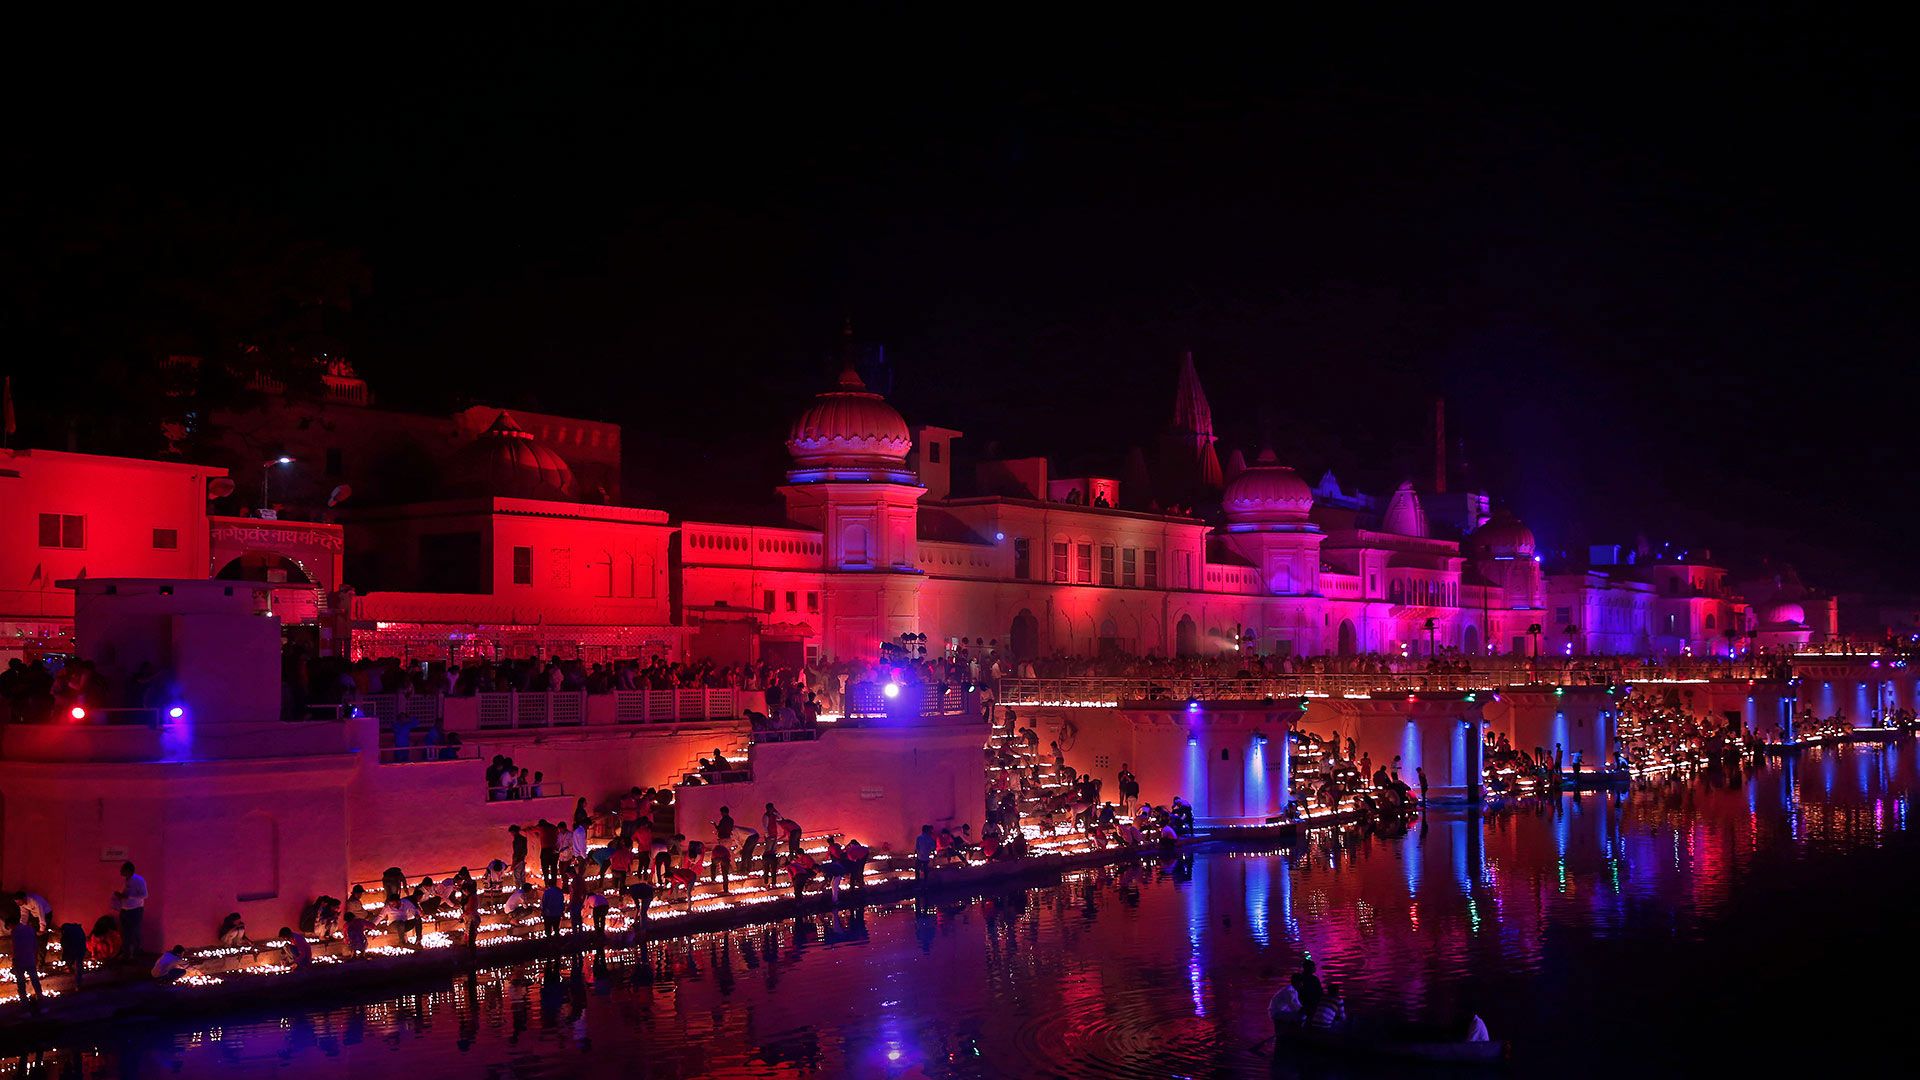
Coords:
pixel 879 784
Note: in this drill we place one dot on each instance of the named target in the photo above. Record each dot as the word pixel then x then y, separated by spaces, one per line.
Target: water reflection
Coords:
pixel 1597 922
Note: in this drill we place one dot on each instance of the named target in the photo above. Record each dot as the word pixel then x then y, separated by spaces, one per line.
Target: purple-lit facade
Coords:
pixel 498 547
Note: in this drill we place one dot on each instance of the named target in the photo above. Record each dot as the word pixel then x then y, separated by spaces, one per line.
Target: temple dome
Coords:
pixel 1783 613
pixel 1502 537
pixel 507 461
pixel 1267 493
pixel 849 427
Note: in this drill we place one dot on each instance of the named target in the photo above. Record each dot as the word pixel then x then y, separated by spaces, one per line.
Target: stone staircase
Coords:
pixel 1052 833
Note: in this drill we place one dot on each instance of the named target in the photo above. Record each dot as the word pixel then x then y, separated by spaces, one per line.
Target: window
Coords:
pixel 63 531
pixel 1563 615
pixel 1060 561
pixel 1022 558
pixel 523 566
pixel 166 539
pixel 766 601
pixel 1150 568
pixel 793 602
pixel 1129 567
pixel 335 466
pixel 1709 620
pixel 1106 564
pixel 933 453
pixel 813 602
pixel 1083 564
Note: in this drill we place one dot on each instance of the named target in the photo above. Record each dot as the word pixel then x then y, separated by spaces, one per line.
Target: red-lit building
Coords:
pixel 477 534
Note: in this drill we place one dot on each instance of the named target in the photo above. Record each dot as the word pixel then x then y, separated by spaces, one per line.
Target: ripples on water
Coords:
pixel 1596 932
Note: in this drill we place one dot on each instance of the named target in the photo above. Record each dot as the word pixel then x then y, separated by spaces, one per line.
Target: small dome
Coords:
pixel 1502 537
pixel 850 427
pixel 1267 493
pixel 1784 613
pixel 509 462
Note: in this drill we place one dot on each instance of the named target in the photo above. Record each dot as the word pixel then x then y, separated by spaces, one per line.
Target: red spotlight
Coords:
pixel 78 713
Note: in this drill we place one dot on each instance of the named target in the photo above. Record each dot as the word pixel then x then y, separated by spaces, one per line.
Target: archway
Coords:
pixel 1349 638
pixel 1470 641
pixel 1024 639
pixel 1109 641
pixel 264 566
pixel 1186 637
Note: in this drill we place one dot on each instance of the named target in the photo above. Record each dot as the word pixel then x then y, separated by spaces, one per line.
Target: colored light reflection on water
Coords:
pixel 1597 923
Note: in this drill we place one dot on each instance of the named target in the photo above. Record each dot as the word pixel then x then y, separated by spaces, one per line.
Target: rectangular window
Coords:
pixel 63 531
pixel 166 539
pixel 523 566
pixel 933 453
pixel 1022 558
pixel 1563 615
pixel 1083 564
pixel 1129 567
pixel 766 601
pixel 1150 568
pixel 1060 563
pixel 793 601
pixel 1106 564
pixel 813 602
pixel 1184 579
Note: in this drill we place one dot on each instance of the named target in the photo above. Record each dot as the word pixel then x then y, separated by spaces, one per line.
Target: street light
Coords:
pixel 266 473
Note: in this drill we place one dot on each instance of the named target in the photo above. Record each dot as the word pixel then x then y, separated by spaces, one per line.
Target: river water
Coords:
pixel 1735 920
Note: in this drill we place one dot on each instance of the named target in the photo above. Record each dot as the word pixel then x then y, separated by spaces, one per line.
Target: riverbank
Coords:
pixel 128 995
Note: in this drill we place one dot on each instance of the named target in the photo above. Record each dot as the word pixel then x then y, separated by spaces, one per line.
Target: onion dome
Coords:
pixel 1267 493
pixel 1784 613
pixel 849 429
pixel 507 461
pixel 1502 537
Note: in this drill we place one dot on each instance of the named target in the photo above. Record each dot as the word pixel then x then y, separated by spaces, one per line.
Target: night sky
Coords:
pixel 1661 272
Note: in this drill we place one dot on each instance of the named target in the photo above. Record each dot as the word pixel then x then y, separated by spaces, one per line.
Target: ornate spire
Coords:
pixel 1191 413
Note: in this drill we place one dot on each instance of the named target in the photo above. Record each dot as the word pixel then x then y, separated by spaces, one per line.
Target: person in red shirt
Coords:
pixel 620 863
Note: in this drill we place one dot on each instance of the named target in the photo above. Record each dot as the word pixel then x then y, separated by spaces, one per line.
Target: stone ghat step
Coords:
pixel 814 844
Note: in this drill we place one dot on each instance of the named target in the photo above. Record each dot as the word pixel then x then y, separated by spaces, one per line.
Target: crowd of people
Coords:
pixel 35 934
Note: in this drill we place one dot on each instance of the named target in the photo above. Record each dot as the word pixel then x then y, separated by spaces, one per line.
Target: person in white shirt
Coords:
pixel 1284 1009
pixel 171 965
pixel 131 901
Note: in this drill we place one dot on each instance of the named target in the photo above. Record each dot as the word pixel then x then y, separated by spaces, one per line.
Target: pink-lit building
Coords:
pixel 478 535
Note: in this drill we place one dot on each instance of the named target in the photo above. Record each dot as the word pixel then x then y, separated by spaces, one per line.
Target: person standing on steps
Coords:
pixel 131 901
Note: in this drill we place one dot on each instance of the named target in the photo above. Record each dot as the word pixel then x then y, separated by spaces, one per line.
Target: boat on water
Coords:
pixel 1401 1045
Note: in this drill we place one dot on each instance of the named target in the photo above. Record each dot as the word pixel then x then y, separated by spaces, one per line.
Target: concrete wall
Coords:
pixel 259 837
pixel 877 784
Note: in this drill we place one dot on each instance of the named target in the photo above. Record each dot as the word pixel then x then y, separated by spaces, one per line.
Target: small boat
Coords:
pixel 1407 1045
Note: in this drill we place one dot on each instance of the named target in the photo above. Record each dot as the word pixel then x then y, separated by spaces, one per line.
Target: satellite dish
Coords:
pixel 220 487
pixel 340 494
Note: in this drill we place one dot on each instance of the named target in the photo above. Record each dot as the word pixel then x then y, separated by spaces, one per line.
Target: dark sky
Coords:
pixel 1661 271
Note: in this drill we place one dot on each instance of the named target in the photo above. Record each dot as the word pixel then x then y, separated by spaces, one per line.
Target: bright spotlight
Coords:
pixel 892 689
pixel 78 713
pixel 176 712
